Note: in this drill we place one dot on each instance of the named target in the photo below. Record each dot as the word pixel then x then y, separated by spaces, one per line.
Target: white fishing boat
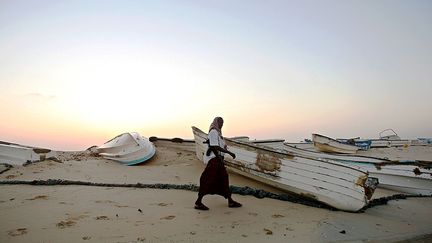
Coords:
pixel 387 138
pixel 15 154
pixel 273 143
pixel 331 145
pixel 424 141
pixel 303 145
pixel 343 187
pixel 411 178
pixel 128 149
pixel 404 176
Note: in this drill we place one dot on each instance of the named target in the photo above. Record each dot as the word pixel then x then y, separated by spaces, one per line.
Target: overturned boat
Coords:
pixel 128 148
pixel 16 154
pixel 341 186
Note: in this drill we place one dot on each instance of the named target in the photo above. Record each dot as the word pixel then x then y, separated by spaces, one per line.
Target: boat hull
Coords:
pixel 411 185
pixel 387 143
pixel 15 154
pixel 330 145
pixel 128 149
pixel 408 177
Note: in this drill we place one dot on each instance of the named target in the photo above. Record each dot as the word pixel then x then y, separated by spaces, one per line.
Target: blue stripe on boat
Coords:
pixel 137 161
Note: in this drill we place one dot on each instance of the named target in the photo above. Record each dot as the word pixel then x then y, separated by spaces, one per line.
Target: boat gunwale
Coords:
pixel 344 155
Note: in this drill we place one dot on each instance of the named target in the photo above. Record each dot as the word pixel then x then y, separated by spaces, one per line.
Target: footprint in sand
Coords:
pixel 17 232
pixel 168 217
pixel 121 206
pixel 45 197
pixel 277 216
pixel 76 217
pixel 116 204
pixel 65 224
pixel 104 201
pixel 161 204
pixel 103 217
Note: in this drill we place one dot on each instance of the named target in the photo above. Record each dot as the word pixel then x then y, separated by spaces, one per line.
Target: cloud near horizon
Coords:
pixel 40 96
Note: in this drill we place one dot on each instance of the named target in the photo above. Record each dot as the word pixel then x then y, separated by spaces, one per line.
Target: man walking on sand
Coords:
pixel 214 179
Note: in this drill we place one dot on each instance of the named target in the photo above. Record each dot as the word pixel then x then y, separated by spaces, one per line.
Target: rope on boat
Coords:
pixel 385 200
pixel 258 193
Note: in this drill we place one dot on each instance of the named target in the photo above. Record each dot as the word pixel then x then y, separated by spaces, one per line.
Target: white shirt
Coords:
pixel 214 140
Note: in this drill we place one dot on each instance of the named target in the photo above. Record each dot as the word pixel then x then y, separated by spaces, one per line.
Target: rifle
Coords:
pixel 212 149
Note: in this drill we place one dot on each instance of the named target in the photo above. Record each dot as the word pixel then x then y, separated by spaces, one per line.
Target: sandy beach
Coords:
pixel 101 103
pixel 77 213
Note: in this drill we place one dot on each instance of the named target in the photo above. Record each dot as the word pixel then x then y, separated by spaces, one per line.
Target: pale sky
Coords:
pixel 76 73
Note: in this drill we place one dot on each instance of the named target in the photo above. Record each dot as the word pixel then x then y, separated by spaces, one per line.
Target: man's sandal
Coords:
pixel 201 207
pixel 234 204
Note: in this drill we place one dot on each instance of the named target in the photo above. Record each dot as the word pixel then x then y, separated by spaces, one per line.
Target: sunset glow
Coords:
pixel 75 73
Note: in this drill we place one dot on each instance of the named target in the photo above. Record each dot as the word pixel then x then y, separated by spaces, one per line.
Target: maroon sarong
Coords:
pixel 214 179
